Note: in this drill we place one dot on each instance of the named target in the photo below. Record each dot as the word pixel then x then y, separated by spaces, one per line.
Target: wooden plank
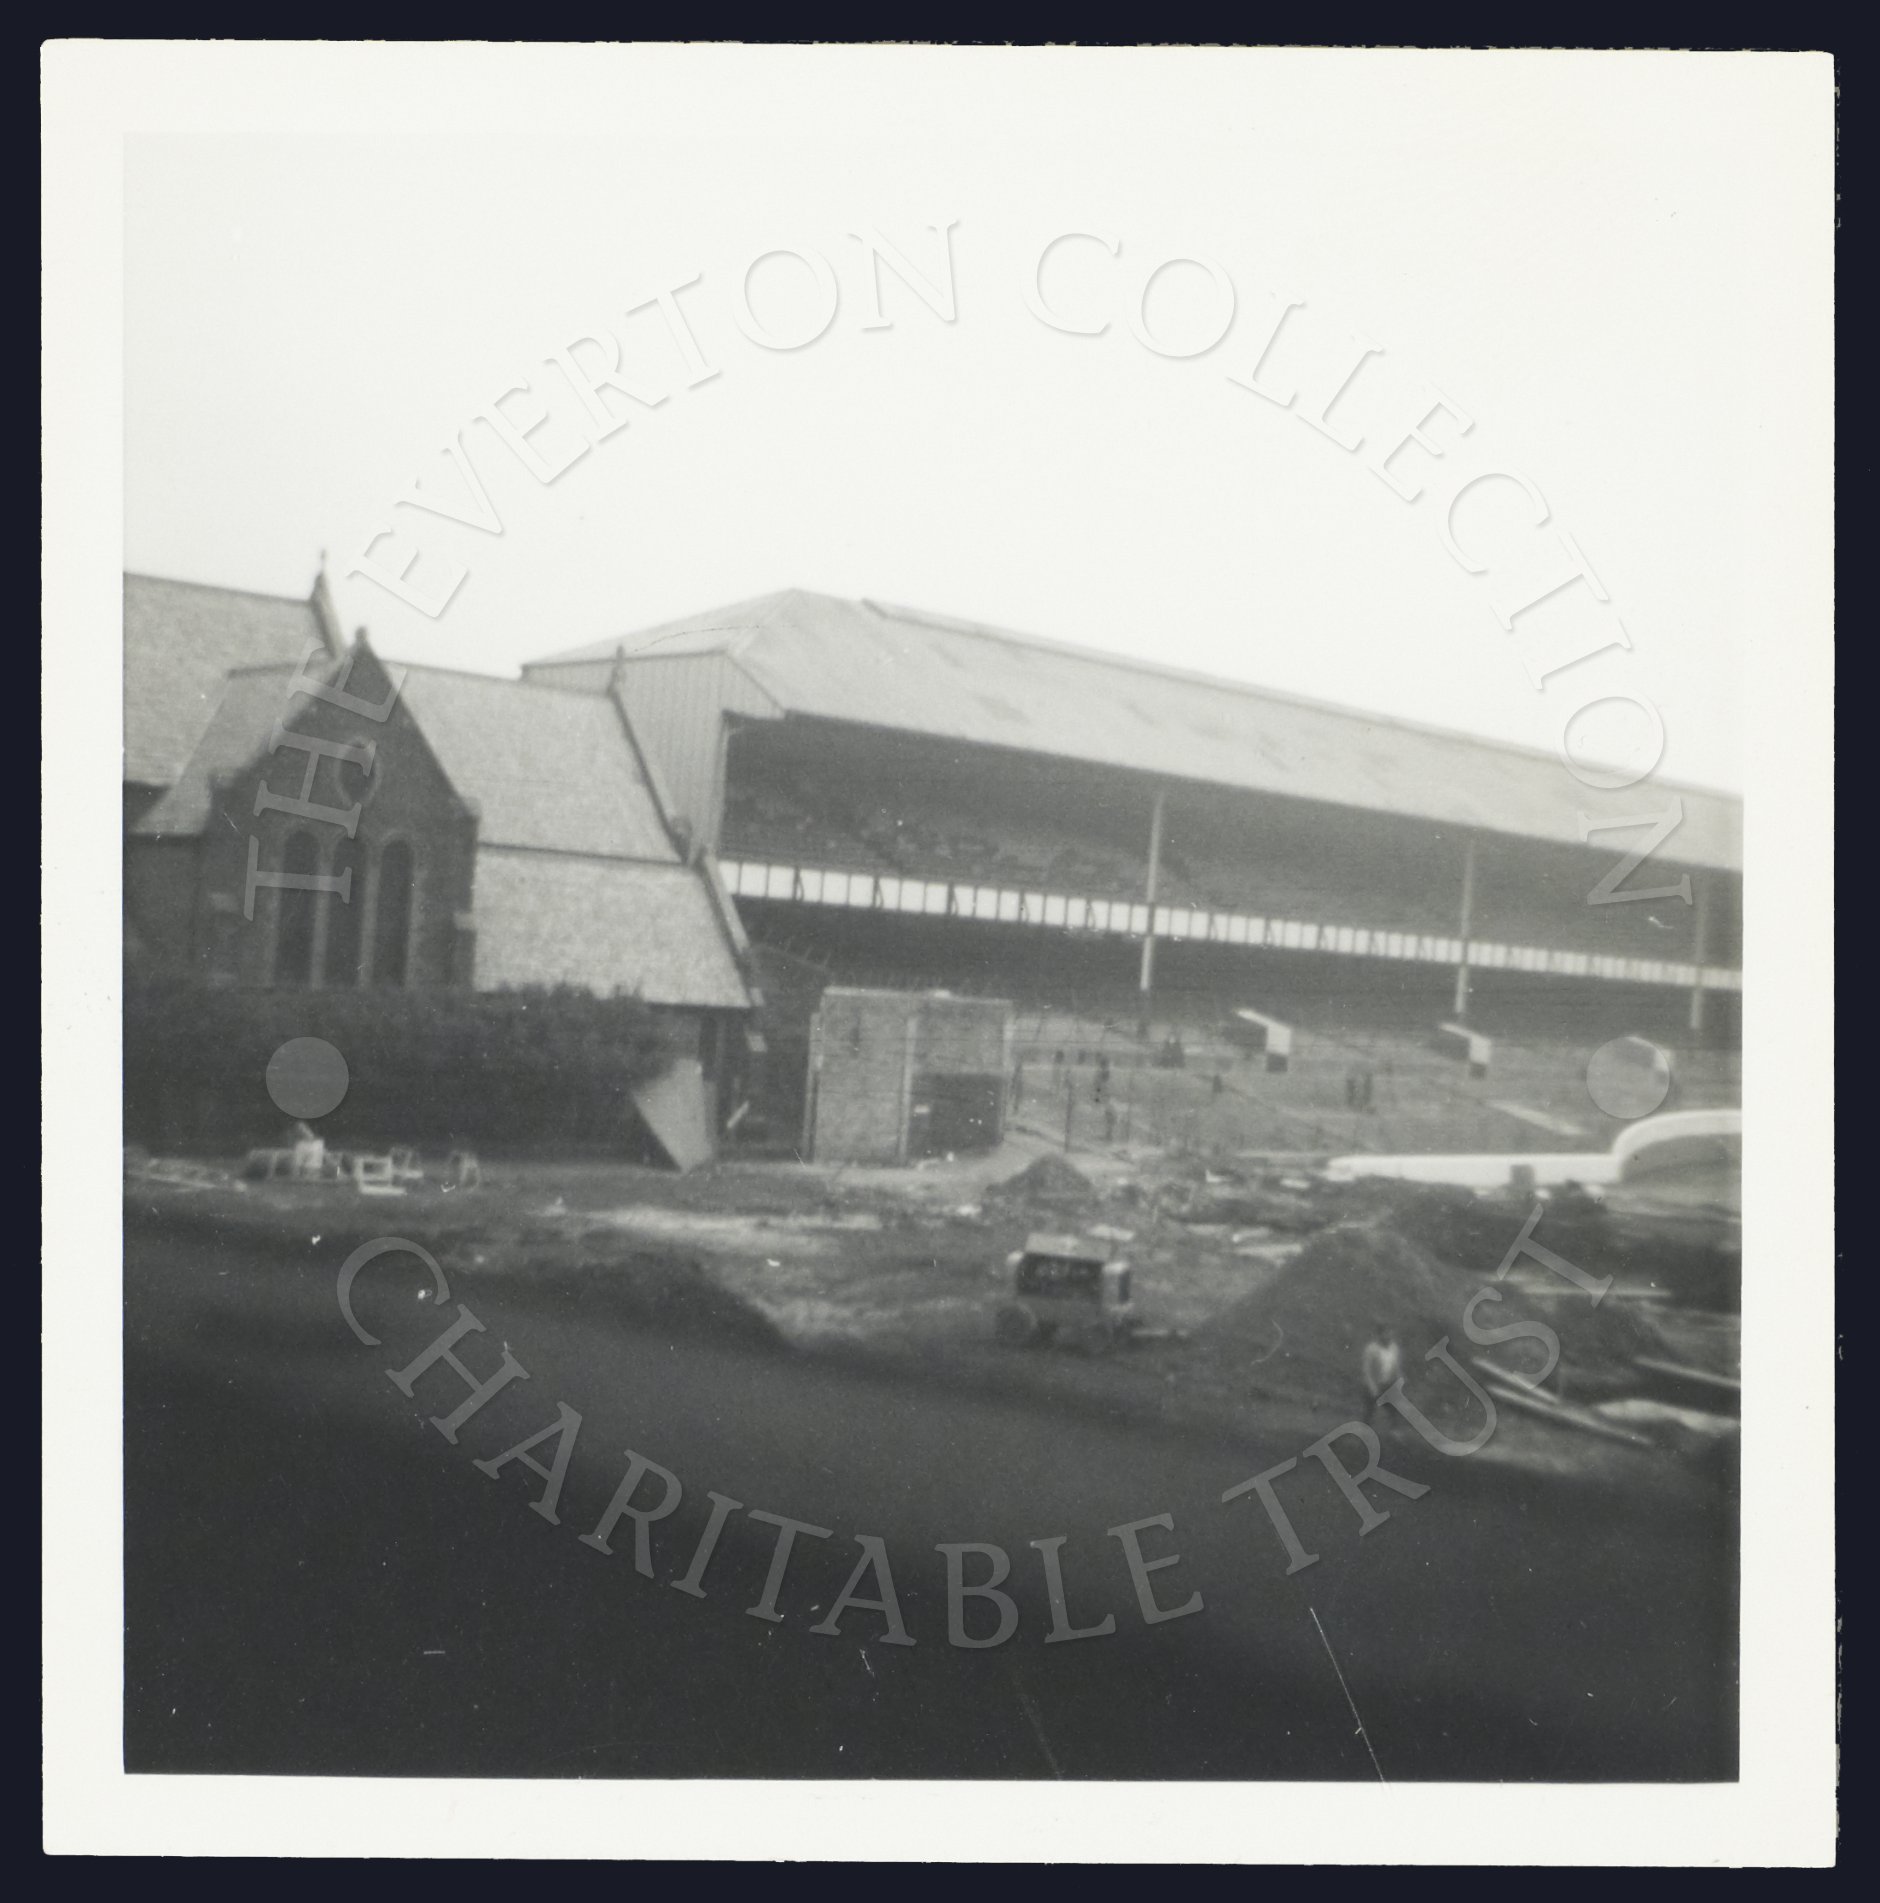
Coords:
pixel 1731 1382
pixel 1504 1375
pixel 1569 1417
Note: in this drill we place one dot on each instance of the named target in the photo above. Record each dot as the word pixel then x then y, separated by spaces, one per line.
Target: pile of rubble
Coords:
pixel 1049 1184
pixel 1304 1332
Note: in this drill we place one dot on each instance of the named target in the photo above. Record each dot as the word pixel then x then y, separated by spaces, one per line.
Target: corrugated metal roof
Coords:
pixel 865 663
pixel 546 919
pixel 181 641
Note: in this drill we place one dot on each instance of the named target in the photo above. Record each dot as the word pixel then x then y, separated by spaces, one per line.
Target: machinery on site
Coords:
pixel 1071 1289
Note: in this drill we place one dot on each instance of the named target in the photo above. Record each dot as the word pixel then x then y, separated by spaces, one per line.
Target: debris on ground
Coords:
pixel 174 1172
pixel 1260 1284
pixel 1048 1183
pixel 1306 1329
pixel 308 1160
pixel 1292 1205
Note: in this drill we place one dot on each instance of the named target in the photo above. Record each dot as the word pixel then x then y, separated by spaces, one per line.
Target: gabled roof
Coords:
pixel 865 663
pixel 181 641
pixel 546 767
pixel 577 881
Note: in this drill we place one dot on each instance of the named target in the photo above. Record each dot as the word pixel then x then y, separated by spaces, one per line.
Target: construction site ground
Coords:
pixel 1254 1285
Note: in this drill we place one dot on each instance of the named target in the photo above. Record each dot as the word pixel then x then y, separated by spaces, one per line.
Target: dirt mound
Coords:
pixel 1048 1182
pixel 1304 1332
pixel 1457 1226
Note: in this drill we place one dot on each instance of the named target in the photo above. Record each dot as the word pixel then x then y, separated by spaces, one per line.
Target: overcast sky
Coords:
pixel 1584 257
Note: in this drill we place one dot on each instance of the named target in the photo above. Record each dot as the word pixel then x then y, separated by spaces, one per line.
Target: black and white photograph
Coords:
pixel 966 946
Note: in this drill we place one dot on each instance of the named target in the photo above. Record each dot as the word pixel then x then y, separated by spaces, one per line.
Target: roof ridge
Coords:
pixel 1195 677
pixel 495 680
pixel 220 588
pixel 608 645
pixel 737 649
pixel 266 667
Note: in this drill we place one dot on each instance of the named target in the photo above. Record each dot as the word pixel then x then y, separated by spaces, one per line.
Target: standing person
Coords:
pixel 1382 1364
pixel 1100 1089
pixel 309 1152
pixel 1368 1091
pixel 1351 1090
pixel 1018 1085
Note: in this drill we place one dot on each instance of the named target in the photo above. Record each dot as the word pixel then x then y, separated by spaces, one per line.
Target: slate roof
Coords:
pixel 547 767
pixel 577 879
pixel 897 668
pixel 239 726
pixel 608 924
pixel 181 641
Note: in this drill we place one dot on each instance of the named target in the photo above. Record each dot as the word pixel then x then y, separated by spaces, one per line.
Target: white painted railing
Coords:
pixel 1066 911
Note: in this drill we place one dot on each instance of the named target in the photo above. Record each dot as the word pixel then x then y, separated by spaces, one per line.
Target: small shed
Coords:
pixel 895 1076
pixel 1255 1031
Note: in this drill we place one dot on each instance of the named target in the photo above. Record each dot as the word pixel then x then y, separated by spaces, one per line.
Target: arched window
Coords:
pixel 294 918
pixel 391 936
pixel 344 916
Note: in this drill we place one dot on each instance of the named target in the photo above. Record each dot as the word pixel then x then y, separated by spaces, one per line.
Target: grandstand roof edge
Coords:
pixel 1665 855
pixel 1196 677
pixel 740 625
pixel 734 622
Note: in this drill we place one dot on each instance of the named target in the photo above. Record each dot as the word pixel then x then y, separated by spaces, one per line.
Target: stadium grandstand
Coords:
pixel 1132 852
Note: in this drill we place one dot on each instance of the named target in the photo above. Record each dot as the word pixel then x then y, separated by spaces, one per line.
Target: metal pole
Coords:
pixel 1147 982
pixel 812 1077
pixel 907 1089
pixel 1463 928
pixel 1700 948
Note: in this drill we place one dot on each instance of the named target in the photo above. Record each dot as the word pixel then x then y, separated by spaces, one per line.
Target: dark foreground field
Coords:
pixel 317 1582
